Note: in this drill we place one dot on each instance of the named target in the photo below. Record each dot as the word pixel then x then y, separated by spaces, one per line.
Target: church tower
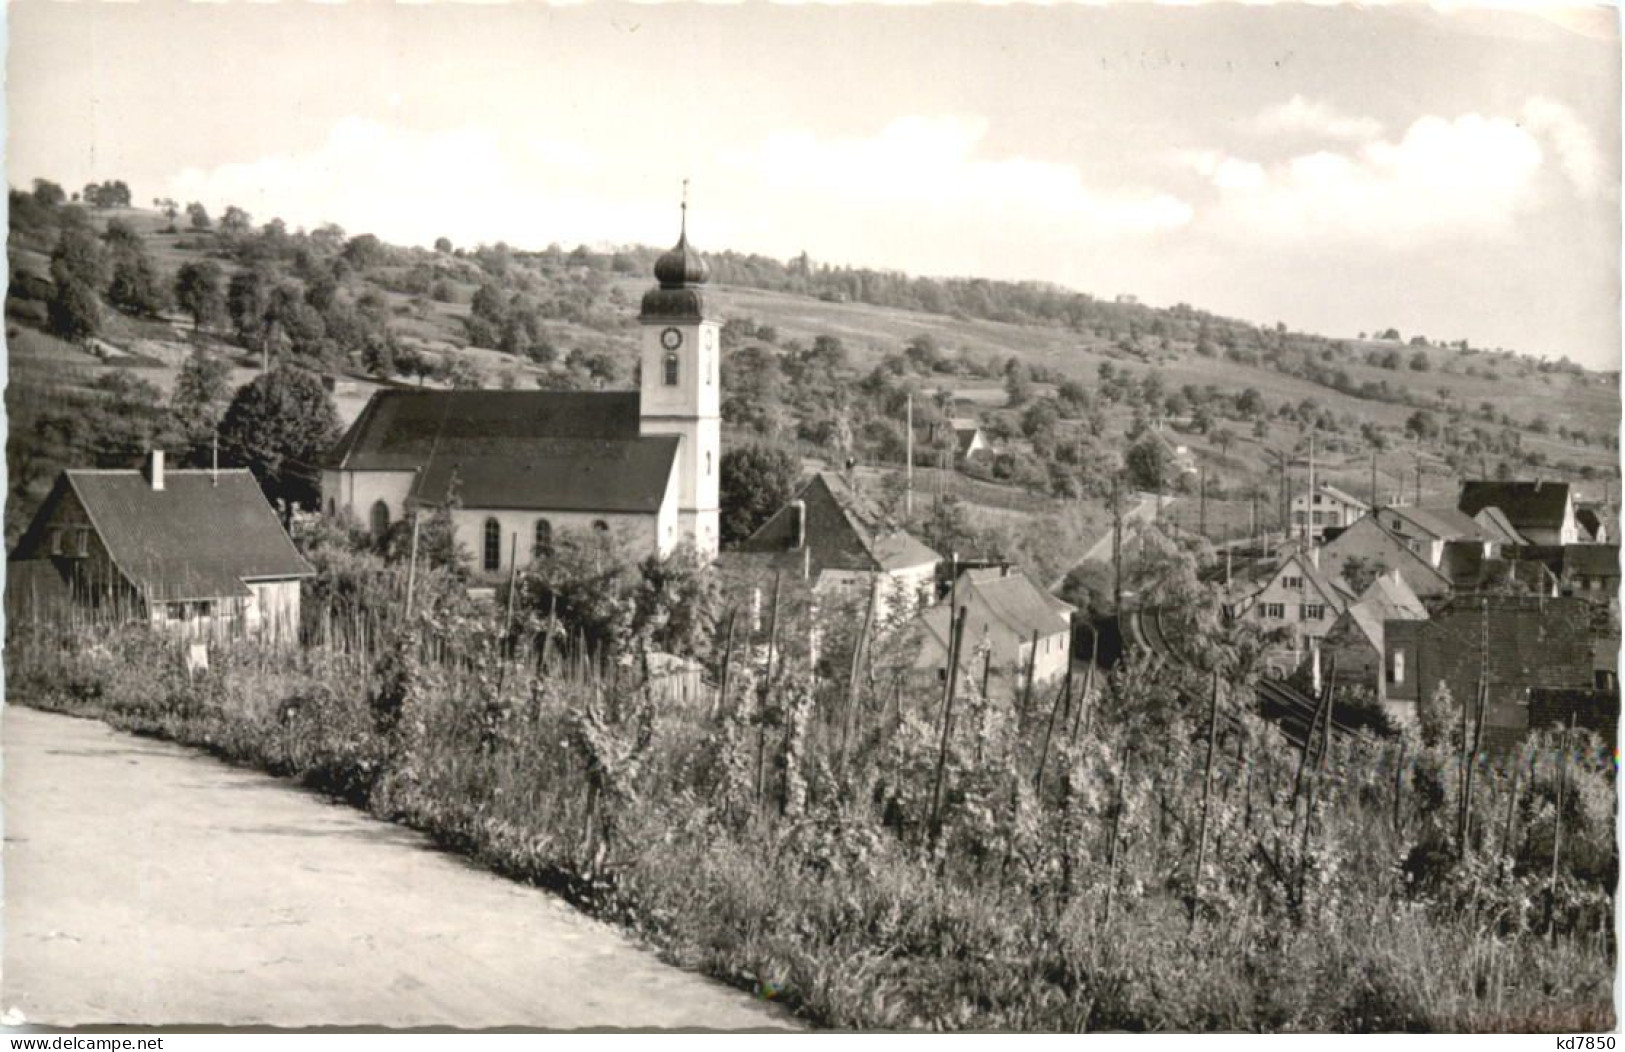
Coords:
pixel 681 385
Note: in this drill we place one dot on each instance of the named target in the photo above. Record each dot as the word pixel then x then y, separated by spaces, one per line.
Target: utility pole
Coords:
pixel 1373 478
pixel 1201 502
pixel 1309 497
pixel 1117 552
pixel 908 469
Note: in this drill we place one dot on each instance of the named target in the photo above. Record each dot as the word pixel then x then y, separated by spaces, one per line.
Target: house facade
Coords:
pixel 196 553
pixel 1357 640
pixel 1010 622
pixel 1326 507
pixel 514 467
pixel 1515 644
pixel 1542 512
pixel 1425 530
pixel 835 539
pixel 1297 596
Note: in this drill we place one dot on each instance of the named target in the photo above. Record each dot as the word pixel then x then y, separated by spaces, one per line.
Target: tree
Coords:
pixel 79 254
pixel 1018 384
pixel 1149 464
pixel 443 245
pixel 202 390
pixel 756 481
pixel 198 216
pixel 364 251
pixel 137 286
pixel 247 297
pixel 236 221
pixel 280 426
pixel 48 193
pixel 75 311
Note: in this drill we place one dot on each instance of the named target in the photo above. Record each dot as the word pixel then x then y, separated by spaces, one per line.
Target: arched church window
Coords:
pixel 708 463
pixel 380 518
pixel 671 369
pixel 544 538
pixel 492 560
pixel 600 525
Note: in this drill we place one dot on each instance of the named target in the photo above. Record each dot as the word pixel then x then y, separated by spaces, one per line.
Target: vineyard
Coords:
pixel 876 850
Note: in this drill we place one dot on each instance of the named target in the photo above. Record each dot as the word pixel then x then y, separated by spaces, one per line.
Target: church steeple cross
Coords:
pixel 683 232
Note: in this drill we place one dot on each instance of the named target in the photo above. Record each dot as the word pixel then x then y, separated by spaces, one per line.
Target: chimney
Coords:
pixel 155 469
pixel 1314 556
pixel 798 525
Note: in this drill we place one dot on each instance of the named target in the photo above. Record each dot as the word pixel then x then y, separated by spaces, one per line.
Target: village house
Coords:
pixel 1356 640
pixel 1590 571
pixel 1425 529
pixel 1470 571
pixel 1328 506
pixel 516 466
pixel 1296 595
pixel 197 553
pixel 1592 520
pixel 1514 644
pixel 1010 622
pixel 1373 546
pixel 1542 512
pixel 834 538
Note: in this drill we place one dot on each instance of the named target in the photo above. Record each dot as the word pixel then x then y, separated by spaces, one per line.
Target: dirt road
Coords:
pixel 145 883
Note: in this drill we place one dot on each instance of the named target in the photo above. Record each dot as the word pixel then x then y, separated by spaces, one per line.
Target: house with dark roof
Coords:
pixel 516 466
pixel 833 537
pixel 1542 512
pixel 1356 639
pixel 1593 522
pixel 1590 571
pixel 196 552
pixel 1371 545
pixel 1470 571
pixel 1425 529
pixel 1513 644
pixel 1011 623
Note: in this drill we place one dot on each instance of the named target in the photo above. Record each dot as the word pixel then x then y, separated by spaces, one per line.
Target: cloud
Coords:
pixel 1471 175
pixel 1576 148
pixel 1301 116
pixel 413 186
pixel 929 169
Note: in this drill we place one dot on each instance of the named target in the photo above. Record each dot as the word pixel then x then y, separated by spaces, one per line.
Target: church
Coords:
pixel 518 465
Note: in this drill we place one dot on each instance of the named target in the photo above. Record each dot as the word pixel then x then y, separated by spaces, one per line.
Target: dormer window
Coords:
pixel 670 370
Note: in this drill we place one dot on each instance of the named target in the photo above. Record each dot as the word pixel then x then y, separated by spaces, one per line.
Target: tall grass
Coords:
pixel 780 840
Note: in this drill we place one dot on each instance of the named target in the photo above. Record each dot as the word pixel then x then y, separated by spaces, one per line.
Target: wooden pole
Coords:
pixel 1117 551
pixel 849 721
pixel 1027 688
pixel 412 563
pixel 727 663
pixel 908 468
pixel 1117 825
pixel 1207 796
pixel 947 726
pixel 1557 830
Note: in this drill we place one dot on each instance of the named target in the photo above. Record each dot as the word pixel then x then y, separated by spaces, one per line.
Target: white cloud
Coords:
pixel 1471 175
pixel 1575 146
pixel 413 186
pixel 928 168
pixel 1301 116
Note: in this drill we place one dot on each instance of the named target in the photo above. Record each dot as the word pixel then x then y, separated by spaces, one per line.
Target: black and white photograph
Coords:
pixel 810 518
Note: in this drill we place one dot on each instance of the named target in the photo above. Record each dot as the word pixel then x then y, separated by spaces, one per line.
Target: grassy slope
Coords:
pixel 1589 402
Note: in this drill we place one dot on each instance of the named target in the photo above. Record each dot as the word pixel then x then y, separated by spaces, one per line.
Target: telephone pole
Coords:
pixel 1117 552
pixel 908 467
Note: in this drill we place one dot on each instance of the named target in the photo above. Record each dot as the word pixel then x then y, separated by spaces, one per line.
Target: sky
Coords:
pixel 1447 172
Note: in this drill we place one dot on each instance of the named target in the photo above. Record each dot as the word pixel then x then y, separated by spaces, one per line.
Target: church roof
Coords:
pixel 530 450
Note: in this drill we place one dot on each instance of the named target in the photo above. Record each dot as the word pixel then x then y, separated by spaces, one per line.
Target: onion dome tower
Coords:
pixel 681 382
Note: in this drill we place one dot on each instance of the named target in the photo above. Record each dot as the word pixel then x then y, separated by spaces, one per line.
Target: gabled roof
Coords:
pixel 1387 598
pixel 1590 520
pixel 844 531
pixel 1336 597
pixel 1527 505
pixel 1329 490
pixel 1005 609
pixel 1440 521
pixel 531 450
pixel 197 538
pixel 1495 523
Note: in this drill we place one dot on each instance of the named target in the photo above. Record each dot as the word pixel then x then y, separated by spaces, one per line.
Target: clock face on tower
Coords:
pixel 671 338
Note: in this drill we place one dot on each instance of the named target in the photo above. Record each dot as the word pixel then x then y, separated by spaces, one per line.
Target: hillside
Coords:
pixel 816 358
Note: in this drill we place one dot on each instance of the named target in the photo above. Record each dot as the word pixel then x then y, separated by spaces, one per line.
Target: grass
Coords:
pixel 764 844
